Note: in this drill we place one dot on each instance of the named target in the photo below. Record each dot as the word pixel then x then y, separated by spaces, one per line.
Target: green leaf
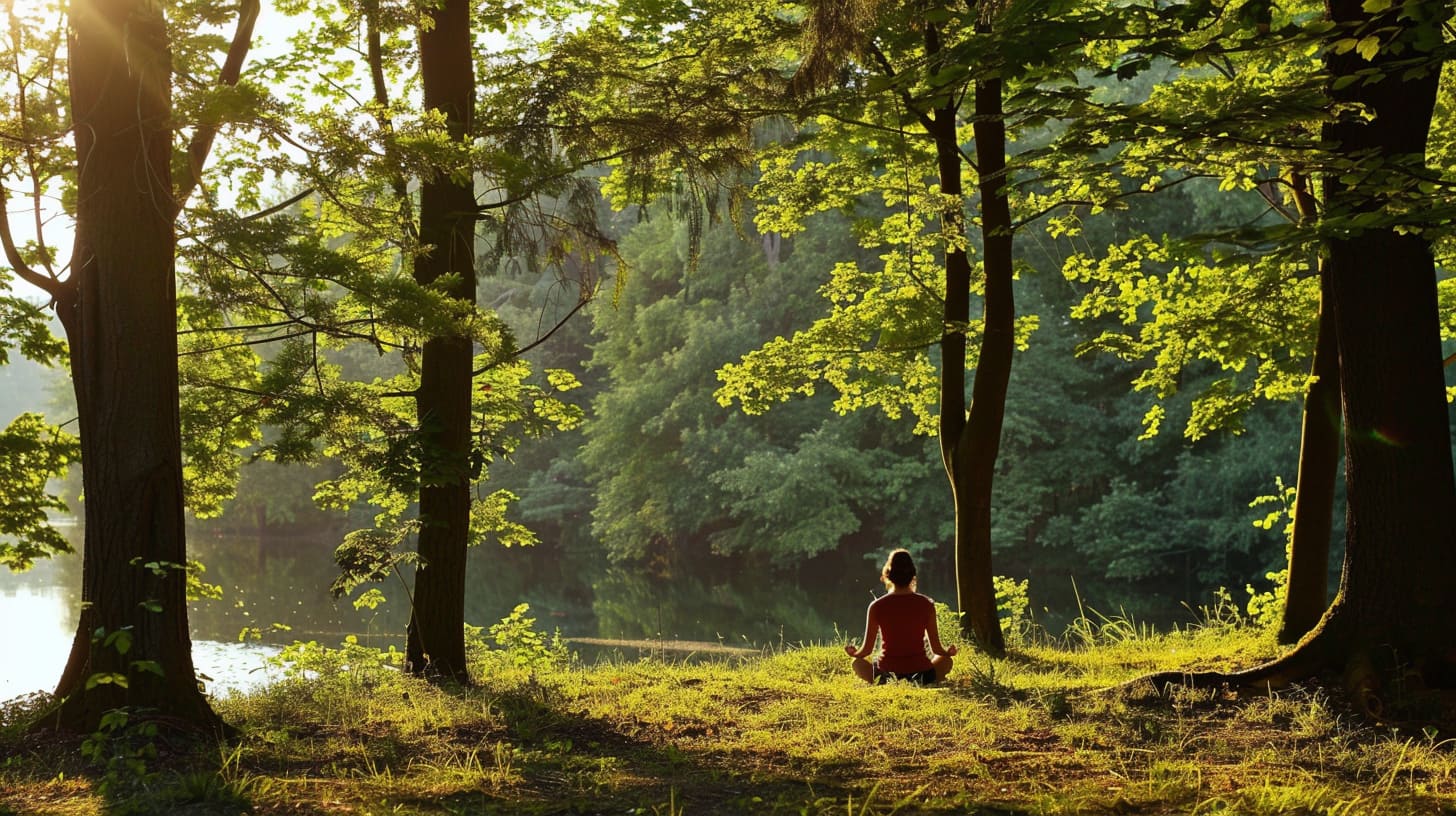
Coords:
pixel 148 666
pixel 120 640
pixel 1368 47
pixel 107 678
pixel 370 599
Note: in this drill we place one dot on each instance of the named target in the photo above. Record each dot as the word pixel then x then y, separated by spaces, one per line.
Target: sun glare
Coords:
pixel 31 9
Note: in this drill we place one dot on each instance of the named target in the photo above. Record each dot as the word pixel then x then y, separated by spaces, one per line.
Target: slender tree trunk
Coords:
pixel 969 441
pixel 119 314
pixel 1319 464
pixel 436 636
pixel 981 443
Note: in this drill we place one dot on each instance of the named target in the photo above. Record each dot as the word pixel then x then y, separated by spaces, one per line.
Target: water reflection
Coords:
pixel 40 619
pixel 275 592
pixel 46 612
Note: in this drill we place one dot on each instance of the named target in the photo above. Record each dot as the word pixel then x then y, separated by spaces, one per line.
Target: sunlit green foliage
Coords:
pixel 1236 99
pixel 862 152
pixel 32 453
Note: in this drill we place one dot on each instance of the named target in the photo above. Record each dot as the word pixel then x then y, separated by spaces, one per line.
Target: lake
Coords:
pixel 275 591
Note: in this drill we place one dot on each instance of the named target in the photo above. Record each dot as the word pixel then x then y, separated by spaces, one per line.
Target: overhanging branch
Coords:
pixel 533 344
pixel 49 285
pixel 232 68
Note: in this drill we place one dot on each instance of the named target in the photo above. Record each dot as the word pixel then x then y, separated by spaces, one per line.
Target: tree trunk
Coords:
pixel 969 444
pixel 982 442
pixel 1400 563
pixel 1390 620
pixel 1314 504
pixel 1400 551
pixel 436 636
pixel 119 312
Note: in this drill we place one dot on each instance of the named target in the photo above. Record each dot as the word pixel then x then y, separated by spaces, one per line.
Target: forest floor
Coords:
pixel 1053 729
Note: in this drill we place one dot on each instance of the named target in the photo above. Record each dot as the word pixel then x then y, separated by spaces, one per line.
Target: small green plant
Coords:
pixel 948 621
pixel 528 648
pixel 1012 604
pixel 1222 614
pixel 1091 628
pixel 357 665
pixel 1265 608
pixel 122 749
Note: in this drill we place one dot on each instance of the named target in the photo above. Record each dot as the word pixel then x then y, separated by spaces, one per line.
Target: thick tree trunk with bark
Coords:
pixel 1393 606
pixel 119 313
pixel 1400 551
pixel 436 636
pixel 1390 622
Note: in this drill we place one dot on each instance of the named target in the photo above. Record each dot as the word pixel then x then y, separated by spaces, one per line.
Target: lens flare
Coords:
pixel 1385 436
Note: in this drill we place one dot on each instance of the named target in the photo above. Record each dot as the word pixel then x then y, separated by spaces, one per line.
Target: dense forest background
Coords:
pixel 665 511
pixel 680 312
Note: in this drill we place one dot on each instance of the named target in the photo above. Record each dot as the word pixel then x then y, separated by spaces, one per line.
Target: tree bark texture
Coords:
pixel 119 314
pixel 1400 550
pixel 436 635
pixel 1389 629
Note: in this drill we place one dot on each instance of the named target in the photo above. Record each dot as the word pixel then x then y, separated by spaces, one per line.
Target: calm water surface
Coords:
pixel 278 590
pixel 40 618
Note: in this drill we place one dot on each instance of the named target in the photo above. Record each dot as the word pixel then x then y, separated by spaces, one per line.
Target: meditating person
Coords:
pixel 904 620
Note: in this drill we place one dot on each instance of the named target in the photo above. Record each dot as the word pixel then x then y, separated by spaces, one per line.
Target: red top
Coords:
pixel 903 621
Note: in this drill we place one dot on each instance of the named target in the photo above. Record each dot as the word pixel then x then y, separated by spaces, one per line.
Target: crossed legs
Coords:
pixel 865 671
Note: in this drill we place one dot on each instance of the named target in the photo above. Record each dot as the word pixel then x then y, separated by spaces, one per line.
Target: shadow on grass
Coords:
pixel 150 767
pixel 566 762
pixel 530 754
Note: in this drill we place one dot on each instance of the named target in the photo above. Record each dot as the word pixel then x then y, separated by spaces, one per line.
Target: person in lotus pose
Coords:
pixel 904 620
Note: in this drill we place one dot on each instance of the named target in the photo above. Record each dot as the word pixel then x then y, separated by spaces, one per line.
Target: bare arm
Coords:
pixel 867 644
pixel 932 631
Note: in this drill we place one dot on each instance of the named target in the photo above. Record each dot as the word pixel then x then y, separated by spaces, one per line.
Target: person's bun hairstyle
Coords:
pixel 899 569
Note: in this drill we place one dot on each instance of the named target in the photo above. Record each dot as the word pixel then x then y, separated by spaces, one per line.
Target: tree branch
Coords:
pixel 46 283
pixel 243 343
pixel 1077 202
pixel 49 285
pixel 889 71
pixel 533 344
pixel 375 58
pixel 232 68
pixel 277 208
pixel 36 186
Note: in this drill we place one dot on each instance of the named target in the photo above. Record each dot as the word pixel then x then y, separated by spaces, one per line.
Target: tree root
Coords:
pixel 1316 655
pixel 1379 682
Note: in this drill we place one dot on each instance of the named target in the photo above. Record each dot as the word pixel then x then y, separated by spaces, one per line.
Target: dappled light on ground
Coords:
pixel 779 732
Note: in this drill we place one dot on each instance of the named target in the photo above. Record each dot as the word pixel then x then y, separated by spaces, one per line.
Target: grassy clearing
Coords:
pixel 785 732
